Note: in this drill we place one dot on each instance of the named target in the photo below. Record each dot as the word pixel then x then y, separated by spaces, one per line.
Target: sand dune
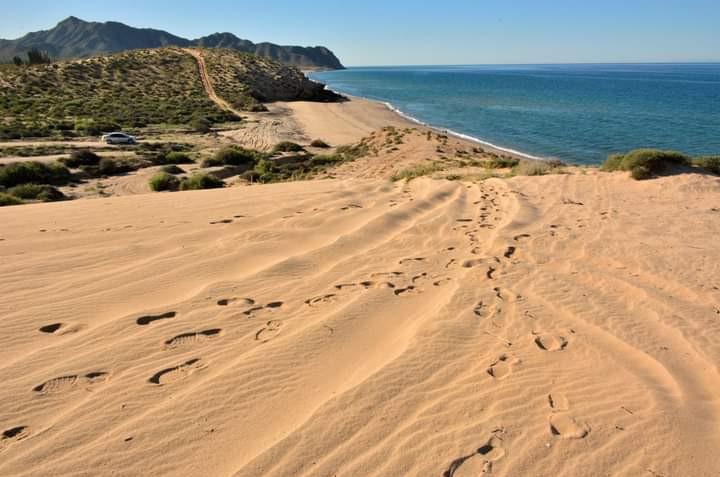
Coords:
pixel 564 325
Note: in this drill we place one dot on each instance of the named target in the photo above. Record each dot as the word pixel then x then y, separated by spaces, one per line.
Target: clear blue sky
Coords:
pixel 380 32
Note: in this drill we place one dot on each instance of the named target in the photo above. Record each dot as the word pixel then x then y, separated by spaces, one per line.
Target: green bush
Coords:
pixel 710 163
pixel 535 167
pixel 319 143
pixel 233 156
pixel 287 146
pixel 648 162
pixel 172 169
pixel 176 157
pixel 201 125
pixel 164 181
pixel 500 163
pixel 264 166
pixel 353 152
pixel 7 199
pixel 322 160
pixel 201 181
pixel 82 157
pixel 44 193
pixel 107 167
pixel 415 172
pixel 34 173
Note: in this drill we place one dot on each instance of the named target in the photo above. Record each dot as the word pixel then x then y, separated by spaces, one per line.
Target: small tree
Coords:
pixel 18 61
pixel 37 57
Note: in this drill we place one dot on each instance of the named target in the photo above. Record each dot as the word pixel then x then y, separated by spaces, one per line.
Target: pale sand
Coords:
pixel 565 325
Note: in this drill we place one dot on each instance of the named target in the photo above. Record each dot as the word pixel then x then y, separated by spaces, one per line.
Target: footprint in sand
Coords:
pixel 223 221
pixel 60 329
pixel 147 319
pixel 321 299
pixel 176 373
pixel 235 301
pixel 547 342
pixel 558 402
pixel 187 339
pixel 411 289
pixel 255 310
pixel 479 462
pixel 502 367
pixel 410 260
pixel 567 427
pixel 510 252
pixel 12 435
pixel 68 383
pixel 270 331
pixel 472 263
pixel 352 206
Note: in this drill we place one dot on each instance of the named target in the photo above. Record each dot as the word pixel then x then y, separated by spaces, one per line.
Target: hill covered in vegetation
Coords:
pixel 75 38
pixel 139 88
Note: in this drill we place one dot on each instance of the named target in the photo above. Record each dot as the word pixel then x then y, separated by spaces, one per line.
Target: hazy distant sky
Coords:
pixel 381 32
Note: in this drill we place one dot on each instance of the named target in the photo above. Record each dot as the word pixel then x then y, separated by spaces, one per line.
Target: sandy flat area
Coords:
pixel 563 325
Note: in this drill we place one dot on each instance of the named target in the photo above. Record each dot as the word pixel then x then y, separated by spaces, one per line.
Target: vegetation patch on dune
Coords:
pixel 645 163
pixel 162 181
pixel 18 173
pixel 44 193
pixel 528 167
pixel 7 199
pixel 710 164
pixel 417 171
pixel 199 181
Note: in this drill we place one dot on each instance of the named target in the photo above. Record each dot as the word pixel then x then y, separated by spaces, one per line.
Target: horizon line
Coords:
pixel 579 63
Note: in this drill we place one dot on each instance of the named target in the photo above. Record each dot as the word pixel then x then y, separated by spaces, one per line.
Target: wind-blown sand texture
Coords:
pixel 564 325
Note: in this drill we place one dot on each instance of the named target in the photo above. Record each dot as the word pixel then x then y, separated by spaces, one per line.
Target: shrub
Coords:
pixel 7 199
pixel 326 160
pixel 710 163
pixel 164 181
pixel 44 193
pixel 107 167
pixel 201 181
pixel 233 156
pixel 287 146
pixel 172 169
pixel 201 125
pixel 353 152
pixel 320 144
pixel 640 173
pixel 176 157
pixel 500 163
pixel 34 173
pixel 648 162
pixel 82 157
pixel 535 168
pixel 417 171
pixel 264 166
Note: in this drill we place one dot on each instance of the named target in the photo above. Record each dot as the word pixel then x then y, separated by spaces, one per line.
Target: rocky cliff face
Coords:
pixel 75 38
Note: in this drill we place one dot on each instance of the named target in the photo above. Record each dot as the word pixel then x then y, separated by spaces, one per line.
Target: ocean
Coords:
pixel 576 113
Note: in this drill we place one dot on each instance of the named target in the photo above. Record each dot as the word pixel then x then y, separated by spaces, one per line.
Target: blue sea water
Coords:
pixel 577 113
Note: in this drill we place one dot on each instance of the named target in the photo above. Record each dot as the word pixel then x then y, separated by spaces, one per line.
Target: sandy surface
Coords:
pixel 343 123
pixel 564 325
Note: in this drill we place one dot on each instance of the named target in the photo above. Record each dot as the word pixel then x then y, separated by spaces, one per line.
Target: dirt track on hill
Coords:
pixel 207 84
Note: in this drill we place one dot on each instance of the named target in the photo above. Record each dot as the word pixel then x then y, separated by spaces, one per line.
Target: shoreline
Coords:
pixel 456 134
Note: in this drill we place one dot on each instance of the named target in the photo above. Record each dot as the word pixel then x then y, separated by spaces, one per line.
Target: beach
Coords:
pixel 559 325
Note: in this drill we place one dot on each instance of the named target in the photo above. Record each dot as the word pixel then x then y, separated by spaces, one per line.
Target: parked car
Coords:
pixel 119 138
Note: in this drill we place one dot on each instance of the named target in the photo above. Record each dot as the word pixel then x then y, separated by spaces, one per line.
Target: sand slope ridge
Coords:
pixel 564 325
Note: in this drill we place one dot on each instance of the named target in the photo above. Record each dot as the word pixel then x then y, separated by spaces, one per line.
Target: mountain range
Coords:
pixel 76 38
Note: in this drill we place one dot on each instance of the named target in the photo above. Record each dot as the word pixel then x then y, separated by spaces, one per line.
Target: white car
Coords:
pixel 119 138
